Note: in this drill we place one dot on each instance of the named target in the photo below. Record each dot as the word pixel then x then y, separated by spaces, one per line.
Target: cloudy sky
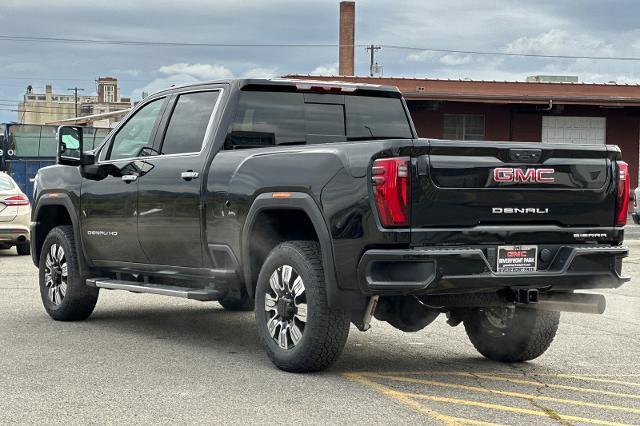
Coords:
pixel 567 27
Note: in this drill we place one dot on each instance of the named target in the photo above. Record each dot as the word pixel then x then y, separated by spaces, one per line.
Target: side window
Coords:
pixel 137 133
pixel 188 123
pixel 267 118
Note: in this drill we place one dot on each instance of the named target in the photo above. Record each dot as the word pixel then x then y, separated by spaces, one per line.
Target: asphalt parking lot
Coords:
pixel 152 359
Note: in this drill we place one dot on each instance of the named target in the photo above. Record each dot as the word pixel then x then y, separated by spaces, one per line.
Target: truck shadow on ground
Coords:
pixel 208 327
pixel 211 330
pixel 8 252
pixel 444 384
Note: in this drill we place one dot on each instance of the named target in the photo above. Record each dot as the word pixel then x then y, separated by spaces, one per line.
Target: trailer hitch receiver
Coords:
pixel 526 295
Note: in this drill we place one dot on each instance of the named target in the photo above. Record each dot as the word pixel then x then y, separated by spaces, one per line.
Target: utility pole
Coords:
pixel 75 94
pixel 373 49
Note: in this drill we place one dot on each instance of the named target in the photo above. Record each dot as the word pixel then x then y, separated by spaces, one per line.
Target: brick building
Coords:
pixel 534 111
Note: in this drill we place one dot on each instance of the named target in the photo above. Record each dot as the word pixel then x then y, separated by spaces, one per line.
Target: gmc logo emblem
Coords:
pixel 510 174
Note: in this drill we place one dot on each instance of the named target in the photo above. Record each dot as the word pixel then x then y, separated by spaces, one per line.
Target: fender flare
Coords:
pixel 297 201
pixel 62 200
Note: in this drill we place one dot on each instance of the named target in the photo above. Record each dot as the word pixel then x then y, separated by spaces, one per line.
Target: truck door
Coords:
pixel 109 206
pixel 169 194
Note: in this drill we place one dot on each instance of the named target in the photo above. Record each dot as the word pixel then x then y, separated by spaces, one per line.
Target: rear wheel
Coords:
pixel 5 246
pixel 511 334
pixel 299 331
pixel 23 249
pixel 65 295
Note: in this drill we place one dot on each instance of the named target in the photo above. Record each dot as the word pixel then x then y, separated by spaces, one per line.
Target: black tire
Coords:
pixel 636 219
pixel 522 336
pixel 242 304
pixel 78 300
pixel 5 246
pixel 324 331
pixel 23 249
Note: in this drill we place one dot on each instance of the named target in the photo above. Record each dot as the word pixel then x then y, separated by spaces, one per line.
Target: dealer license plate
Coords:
pixel 514 259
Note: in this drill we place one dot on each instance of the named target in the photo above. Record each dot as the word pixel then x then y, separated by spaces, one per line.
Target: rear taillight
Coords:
pixel 15 200
pixel 391 190
pixel 622 196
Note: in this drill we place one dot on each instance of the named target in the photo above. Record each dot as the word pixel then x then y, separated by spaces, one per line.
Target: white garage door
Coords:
pixel 578 130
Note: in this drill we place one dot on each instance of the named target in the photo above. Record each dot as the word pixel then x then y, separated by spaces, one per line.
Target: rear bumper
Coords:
pixel 450 270
pixel 13 233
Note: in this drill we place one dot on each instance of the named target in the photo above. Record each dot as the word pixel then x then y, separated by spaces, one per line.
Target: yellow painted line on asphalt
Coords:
pixel 541 384
pixel 410 403
pixel 511 409
pixel 505 393
pixel 597 379
pixel 505 373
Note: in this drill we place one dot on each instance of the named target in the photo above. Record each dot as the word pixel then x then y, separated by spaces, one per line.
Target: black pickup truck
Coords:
pixel 315 204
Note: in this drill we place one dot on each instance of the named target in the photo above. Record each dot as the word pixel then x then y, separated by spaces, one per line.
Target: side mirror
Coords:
pixel 69 145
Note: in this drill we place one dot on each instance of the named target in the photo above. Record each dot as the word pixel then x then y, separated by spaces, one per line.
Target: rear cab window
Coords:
pixel 265 118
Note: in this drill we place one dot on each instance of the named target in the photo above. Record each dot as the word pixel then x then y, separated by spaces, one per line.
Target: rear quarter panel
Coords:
pixel 334 175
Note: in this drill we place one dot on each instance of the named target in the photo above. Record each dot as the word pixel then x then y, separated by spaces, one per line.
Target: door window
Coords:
pixel 137 133
pixel 189 121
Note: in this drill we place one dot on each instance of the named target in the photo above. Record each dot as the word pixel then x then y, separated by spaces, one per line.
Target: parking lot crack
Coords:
pixel 551 413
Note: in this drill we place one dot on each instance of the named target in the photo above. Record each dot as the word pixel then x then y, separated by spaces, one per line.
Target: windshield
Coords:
pixel 281 118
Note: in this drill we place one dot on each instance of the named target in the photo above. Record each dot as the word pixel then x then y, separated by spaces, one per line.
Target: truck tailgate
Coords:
pixel 467 184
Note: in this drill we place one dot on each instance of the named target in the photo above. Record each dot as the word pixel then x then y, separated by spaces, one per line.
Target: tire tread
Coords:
pixel 541 327
pixel 329 334
pixel 80 299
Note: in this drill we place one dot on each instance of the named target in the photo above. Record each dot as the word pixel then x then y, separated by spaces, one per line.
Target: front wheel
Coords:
pixel 511 334
pixel 298 329
pixel 65 295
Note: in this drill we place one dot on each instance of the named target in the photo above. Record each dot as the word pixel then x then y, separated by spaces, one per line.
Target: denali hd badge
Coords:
pixel 518 175
pixel 103 233
pixel 519 210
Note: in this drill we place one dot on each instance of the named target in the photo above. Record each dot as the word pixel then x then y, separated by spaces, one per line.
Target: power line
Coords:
pixel 64 79
pixel 31 39
pixel 526 55
pixel 155 43
pixel 43 107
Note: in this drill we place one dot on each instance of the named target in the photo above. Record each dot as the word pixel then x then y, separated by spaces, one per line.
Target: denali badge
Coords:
pixel 519 210
pixel 103 233
pixel 517 175
pixel 587 236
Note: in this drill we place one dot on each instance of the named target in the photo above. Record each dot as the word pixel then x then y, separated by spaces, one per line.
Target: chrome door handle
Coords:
pixel 129 178
pixel 189 175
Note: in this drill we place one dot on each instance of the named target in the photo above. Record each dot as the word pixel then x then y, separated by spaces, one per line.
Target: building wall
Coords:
pixel 523 123
pixel 49 107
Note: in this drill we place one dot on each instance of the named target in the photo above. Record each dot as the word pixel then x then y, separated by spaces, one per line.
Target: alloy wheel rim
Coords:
pixel 56 274
pixel 285 303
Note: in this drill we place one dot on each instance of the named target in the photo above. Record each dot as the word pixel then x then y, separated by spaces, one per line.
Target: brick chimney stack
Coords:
pixel 347 37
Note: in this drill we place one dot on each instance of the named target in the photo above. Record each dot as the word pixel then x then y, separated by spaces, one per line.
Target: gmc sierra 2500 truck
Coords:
pixel 315 204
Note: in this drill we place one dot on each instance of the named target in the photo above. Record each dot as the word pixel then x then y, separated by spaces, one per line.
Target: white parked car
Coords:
pixel 15 216
pixel 636 209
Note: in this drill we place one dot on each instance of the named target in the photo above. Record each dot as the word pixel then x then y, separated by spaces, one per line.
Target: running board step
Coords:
pixel 202 294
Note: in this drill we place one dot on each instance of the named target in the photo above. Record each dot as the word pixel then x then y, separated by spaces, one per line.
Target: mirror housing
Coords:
pixel 69 140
